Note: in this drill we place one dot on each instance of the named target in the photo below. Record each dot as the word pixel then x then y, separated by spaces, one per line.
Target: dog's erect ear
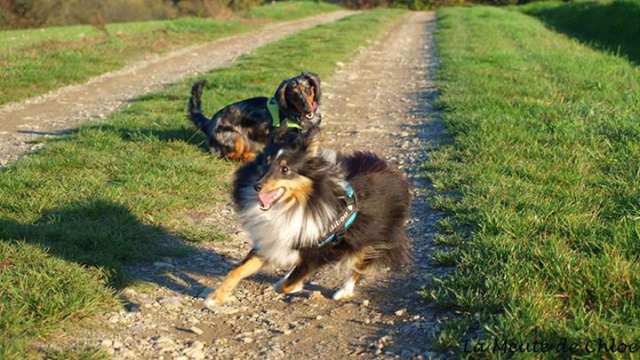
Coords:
pixel 314 79
pixel 313 140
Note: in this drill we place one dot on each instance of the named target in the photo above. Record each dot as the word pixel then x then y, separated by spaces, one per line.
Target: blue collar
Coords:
pixel 339 227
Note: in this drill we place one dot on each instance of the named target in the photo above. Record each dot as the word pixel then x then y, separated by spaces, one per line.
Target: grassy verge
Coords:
pixel 608 25
pixel 33 62
pixel 544 171
pixel 131 188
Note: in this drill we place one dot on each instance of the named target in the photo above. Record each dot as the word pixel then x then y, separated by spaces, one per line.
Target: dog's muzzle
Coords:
pixel 311 114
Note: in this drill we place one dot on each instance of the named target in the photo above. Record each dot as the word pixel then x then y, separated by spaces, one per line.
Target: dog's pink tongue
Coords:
pixel 314 106
pixel 265 198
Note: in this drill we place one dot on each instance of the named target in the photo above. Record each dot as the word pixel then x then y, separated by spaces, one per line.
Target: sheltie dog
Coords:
pixel 304 208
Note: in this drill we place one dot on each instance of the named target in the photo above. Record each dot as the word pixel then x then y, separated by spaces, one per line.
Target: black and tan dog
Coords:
pixel 305 208
pixel 238 130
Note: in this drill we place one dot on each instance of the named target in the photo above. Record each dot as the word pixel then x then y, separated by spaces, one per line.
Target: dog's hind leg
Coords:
pixel 248 156
pixel 251 264
pixel 346 290
pixel 242 150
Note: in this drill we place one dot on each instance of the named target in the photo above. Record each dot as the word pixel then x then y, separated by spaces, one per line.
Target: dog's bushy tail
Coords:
pixel 195 111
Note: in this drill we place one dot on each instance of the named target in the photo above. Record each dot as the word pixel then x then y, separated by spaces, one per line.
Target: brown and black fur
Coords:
pixel 311 179
pixel 239 130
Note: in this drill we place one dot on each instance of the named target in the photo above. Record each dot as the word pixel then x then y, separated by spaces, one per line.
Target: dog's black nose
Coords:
pixel 257 186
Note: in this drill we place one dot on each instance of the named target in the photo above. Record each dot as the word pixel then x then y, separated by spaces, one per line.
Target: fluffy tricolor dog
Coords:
pixel 305 208
pixel 239 130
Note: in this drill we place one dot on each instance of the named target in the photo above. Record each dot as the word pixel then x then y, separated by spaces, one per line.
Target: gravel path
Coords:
pixel 382 101
pixel 61 110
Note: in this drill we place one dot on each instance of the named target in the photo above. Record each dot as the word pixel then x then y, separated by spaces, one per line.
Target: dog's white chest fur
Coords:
pixel 277 233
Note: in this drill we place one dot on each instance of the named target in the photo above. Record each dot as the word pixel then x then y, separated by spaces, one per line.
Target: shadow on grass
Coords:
pixel 612 26
pixel 183 133
pixel 106 235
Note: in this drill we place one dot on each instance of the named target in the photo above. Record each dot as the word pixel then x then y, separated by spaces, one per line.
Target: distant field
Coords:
pixel 540 182
pixel 75 214
pixel 36 61
pixel 12 39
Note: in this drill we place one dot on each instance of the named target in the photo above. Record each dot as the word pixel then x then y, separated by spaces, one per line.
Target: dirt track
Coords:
pixel 383 102
pixel 61 110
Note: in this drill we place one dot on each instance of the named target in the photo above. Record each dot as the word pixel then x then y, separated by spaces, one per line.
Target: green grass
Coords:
pixel 13 39
pixel 39 291
pixel 132 188
pixel 290 10
pixel 543 170
pixel 33 62
pixel 609 25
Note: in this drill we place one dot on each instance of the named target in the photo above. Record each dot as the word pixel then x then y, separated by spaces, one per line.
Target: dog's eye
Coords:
pixel 284 169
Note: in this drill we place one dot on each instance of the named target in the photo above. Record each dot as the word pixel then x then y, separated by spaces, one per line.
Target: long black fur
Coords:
pixel 383 204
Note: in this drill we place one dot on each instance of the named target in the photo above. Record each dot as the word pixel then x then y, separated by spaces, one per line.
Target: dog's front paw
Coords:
pixel 211 303
pixel 281 286
pixel 214 300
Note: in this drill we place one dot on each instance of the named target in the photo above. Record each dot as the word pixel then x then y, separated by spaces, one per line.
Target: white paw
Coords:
pixel 343 293
pixel 211 303
pixel 346 290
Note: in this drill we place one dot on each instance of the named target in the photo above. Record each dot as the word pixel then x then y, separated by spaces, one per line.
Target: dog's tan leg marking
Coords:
pixel 236 152
pixel 239 149
pixel 280 288
pixel 251 264
pixel 248 156
pixel 294 280
pixel 290 288
pixel 232 155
